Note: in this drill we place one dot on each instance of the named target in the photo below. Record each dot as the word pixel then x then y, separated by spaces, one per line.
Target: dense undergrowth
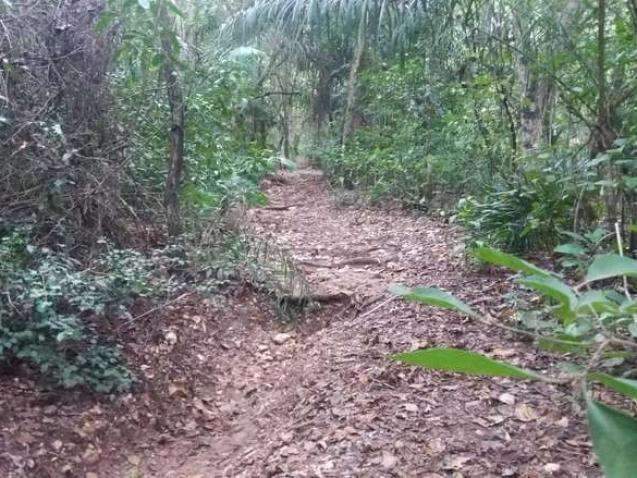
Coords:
pixel 85 235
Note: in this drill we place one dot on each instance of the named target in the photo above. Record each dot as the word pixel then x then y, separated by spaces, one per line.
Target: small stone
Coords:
pixel 281 338
pixel 507 399
pixel 411 407
pixel 90 474
pixel 388 460
pixel 57 445
pixel 171 337
pixel 134 460
pixel 552 467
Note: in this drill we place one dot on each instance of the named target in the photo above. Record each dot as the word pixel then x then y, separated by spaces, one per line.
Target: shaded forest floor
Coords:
pixel 238 393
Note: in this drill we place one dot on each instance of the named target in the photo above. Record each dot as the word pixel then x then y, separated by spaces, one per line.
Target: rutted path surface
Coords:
pixel 330 403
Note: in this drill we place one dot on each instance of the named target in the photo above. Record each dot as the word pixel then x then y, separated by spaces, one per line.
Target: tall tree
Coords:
pixel 177 119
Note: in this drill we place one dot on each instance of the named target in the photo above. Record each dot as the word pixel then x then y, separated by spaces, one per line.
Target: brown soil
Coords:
pixel 230 391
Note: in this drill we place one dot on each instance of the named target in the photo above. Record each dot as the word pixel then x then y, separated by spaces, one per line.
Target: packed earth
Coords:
pixel 232 390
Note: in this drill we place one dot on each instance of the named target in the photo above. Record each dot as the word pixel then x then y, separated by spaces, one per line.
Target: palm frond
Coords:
pixel 389 21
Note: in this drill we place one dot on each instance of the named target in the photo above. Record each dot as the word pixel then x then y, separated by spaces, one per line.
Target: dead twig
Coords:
pixel 355 261
pixel 155 309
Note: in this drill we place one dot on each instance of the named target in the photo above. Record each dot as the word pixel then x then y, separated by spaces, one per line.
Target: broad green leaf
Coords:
pixel 557 290
pixel 463 361
pixel 629 307
pixel 614 436
pixel 432 296
pixel 625 386
pixel 607 183
pixel 596 300
pixel 570 249
pixel 573 235
pixel 561 345
pixel 611 265
pixel 499 258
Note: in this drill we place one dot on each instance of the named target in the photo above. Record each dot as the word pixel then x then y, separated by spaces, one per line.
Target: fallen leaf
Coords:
pixel 175 389
pixel 436 446
pixel 199 405
pixel 525 413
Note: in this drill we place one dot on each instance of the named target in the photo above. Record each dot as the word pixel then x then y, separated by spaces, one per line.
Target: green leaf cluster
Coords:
pixel 584 317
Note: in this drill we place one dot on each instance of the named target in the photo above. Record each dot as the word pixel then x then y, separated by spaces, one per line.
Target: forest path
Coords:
pixel 329 403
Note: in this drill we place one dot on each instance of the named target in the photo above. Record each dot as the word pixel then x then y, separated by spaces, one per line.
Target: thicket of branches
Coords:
pixel 63 155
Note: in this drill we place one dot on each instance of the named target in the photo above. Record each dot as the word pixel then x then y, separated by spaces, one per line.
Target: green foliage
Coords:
pixel 461 361
pixel 578 254
pixel 614 437
pixel 431 296
pixel 528 215
pixel 417 140
pixel 624 386
pixel 590 323
pixel 46 305
pixel 499 258
pixel 226 151
pixel 611 265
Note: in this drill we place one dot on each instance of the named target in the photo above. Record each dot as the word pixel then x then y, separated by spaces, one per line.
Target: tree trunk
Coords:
pixel 603 134
pixel 353 79
pixel 321 100
pixel 176 135
pixel 537 99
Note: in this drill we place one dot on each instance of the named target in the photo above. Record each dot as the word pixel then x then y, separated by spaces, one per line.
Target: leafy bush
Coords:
pixel 578 254
pixel 525 216
pixel 597 326
pixel 46 303
pixel 226 153
pixel 417 141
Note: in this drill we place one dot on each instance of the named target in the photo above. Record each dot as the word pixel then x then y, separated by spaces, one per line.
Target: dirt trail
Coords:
pixel 331 404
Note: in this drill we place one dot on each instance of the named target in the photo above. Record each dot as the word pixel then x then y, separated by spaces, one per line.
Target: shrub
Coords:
pixel 578 254
pixel 45 305
pixel 524 216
